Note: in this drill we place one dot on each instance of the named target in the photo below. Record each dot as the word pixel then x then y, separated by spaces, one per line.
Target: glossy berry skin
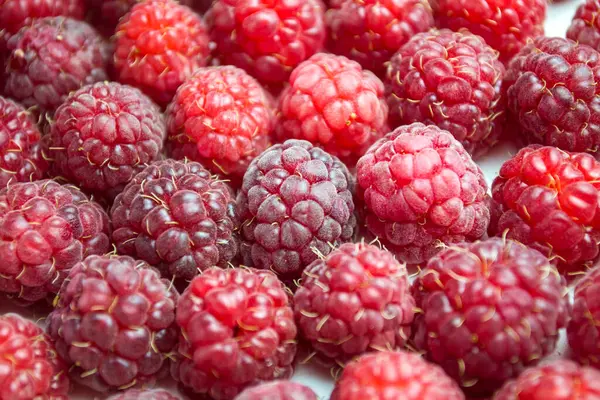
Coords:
pixel 295 199
pixel 419 188
pixel 452 80
pixel 237 329
pixel 584 330
pixel 21 157
pixel 370 32
pixel 31 369
pixel 50 59
pixel 114 323
pixel 278 390
pixel 355 300
pixel 490 308
pixel 266 38
pixel 177 217
pixel 333 103
pixel 506 25
pixel 395 375
pixel 555 380
pixel 585 28
pixel 222 118
pixel 144 394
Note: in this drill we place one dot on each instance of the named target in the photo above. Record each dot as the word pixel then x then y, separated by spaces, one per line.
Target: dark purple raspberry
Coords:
pixel 585 27
pixel 278 390
pixel 145 394
pixel 584 327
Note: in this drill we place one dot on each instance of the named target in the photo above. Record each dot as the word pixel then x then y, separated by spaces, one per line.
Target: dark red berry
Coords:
pixel 145 394
pixel 278 390
pixel 584 327
pixel 585 27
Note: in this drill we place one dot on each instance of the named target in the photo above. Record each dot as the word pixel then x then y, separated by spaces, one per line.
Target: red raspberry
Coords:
pixel 395 375
pixel 145 394
pixel 451 80
pixel 354 300
pixel 490 309
pixel 45 229
pixel 222 118
pixel 557 380
pixel 177 217
pixel 20 151
pixel 421 188
pixel 584 326
pixel 585 27
pixel 30 367
pixel 506 25
pixel 237 330
pixel 103 135
pixel 278 390
pixel 334 103
pixel 114 323
pixel 371 31
pixel 267 38
pixel 296 202
pixel 159 44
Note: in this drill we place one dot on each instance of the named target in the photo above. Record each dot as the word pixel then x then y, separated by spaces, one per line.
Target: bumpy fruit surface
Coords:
pixel 237 330
pixel 278 390
pixel 584 329
pixel 145 394
pixel 585 27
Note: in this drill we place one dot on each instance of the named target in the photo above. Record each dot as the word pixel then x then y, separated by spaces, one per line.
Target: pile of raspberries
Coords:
pixel 198 196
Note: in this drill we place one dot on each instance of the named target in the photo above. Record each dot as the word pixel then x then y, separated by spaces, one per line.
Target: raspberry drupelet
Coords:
pixel 237 330
pixel 452 80
pixel 583 330
pixel 420 188
pixel 585 27
pixel 278 390
pixel 145 394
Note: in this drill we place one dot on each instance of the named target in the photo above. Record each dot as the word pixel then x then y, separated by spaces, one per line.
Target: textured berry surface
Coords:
pixel 222 118
pixel 421 188
pixel 332 102
pixel 114 323
pixel 506 25
pixel 145 394
pixel 45 229
pixel 267 38
pixel 279 390
pixel 30 367
pixel 237 330
pixel 395 375
pixel 584 327
pixel 177 217
pixel 20 150
pixel 451 80
pixel 355 300
pixel 490 309
pixel 296 201
pixel 585 27
pixel 548 199
pixel 371 31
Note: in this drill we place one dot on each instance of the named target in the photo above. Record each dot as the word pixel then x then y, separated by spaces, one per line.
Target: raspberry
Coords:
pixel 395 375
pixel 221 117
pixel 451 80
pixel 334 103
pixel 30 366
pixel 104 134
pixel 45 229
pixel 237 330
pixel 585 28
pixel 296 202
pixel 147 394
pixel 279 390
pixel 20 151
pixel 506 25
pixel 420 188
pixel 355 300
pixel 114 323
pixel 557 380
pixel 371 31
pixel 266 38
pixel 177 217
pixel 584 329
pixel 490 309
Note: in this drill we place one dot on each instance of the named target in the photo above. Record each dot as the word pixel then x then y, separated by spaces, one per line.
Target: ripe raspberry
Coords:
pixel 295 201
pixel 45 229
pixel 490 309
pixel 20 151
pixel 278 390
pixel 159 44
pixel 222 118
pixel 237 330
pixel 506 25
pixel 451 80
pixel 103 135
pixel 334 103
pixel 585 27
pixel 266 38
pixel 114 323
pixel 371 31
pixel 557 380
pixel 30 367
pixel 177 217
pixel 355 300
pixel 584 328
pixel 145 394
pixel 395 375
pixel 421 188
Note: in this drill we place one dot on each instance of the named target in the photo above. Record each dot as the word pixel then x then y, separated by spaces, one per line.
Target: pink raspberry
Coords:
pixel 584 327
pixel 585 27
pixel 278 390
pixel 145 394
